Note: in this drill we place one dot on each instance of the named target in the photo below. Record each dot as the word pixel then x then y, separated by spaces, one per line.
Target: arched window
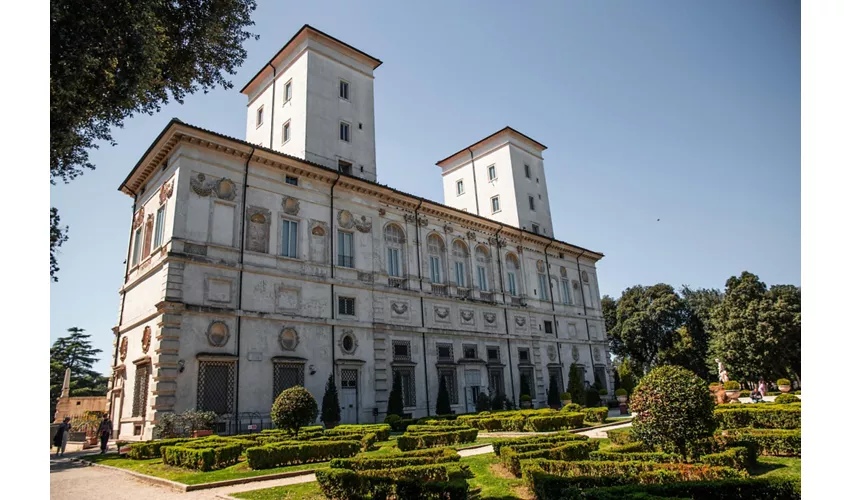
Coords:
pixel 436 249
pixel 482 260
pixel 394 239
pixel 460 255
pixel 512 265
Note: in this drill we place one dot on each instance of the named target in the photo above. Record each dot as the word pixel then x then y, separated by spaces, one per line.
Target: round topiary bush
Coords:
pixel 621 392
pixel 565 396
pixel 786 398
pixel 294 408
pixel 672 408
pixel 783 381
pixel 732 385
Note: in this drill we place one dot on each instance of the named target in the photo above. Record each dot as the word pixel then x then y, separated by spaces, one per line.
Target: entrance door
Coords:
pixel 348 396
pixel 473 388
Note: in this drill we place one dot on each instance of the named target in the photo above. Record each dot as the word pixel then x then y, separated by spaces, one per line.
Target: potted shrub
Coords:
pixel 566 399
pixel 622 395
pixel 525 401
pixel 733 390
pixel 784 385
pixel 603 393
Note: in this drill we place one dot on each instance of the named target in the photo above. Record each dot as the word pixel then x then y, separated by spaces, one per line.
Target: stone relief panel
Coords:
pixel 597 357
pixel 442 314
pixel 490 320
pixel 521 323
pixel 165 191
pixel 287 299
pixel 122 350
pixel 572 331
pixel 290 205
pixel 593 333
pixel 218 289
pixel 146 339
pixel 257 236
pixel 224 189
pixel 550 352
pixel 575 354
pixel 467 317
pixel 348 342
pixel 400 309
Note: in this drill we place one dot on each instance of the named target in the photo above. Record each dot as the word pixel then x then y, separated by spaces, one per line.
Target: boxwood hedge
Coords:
pixel 277 455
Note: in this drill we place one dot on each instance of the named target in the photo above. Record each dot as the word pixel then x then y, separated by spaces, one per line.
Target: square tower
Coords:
pixel 500 177
pixel 315 100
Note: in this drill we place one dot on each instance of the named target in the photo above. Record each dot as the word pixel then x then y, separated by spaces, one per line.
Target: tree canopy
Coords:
pixel 110 60
pixel 74 351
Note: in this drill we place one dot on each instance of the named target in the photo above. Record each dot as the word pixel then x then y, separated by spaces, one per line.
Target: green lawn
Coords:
pixel 491 480
pixel 786 468
pixel 303 491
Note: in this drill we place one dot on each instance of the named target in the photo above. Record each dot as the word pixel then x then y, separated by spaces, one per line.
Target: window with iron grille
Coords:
pixel 556 372
pixel 287 375
pixel 547 326
pixel 348 379
pixel 216 380
pixel 140 390
pixel 528 375
pixel 346 306
pixel 523 353
pixel 493 354
pixel 470 351
pixel 445 352
pixel 449 375
pixel 408 385
pixel 401 350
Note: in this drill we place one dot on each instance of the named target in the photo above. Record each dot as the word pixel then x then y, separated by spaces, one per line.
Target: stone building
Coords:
pixel 255 265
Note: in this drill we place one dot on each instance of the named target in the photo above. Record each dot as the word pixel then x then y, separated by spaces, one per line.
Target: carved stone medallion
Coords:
pixel 563 272
pixel 225 189
pixel 471 236
pixel 165 192
pixel 288 339
pixel 290 205
pixel 399 307
pixel 218 333
pixel 199 185
pixel 345 219
pixel 519 320
pixel 348 342
pixel 575 353
pixel 382 212
pixel 490 317
pixel 363 225
pixel 442 313
pixel 146 339
pixel 550 351
pixel 122 350
pixel 467 316
pixel 449 229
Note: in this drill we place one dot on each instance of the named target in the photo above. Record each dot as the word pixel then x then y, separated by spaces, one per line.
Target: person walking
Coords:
pixel 762 388
pixel 104 432
pixel 60 440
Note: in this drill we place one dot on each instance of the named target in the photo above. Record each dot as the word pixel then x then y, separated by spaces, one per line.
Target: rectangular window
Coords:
pixel 343 89
pixel 292 181
pixel 259 116
pixel 493 353
pixel 491 172
pixel 408 386
pixel 344 167
pixel 140 390
pixel 544 286
pixel 216 382
pixel 531 203
pixel 460 187
pixel 482 278
pixel 435 269
pixel 287 375
pixel 445 352
pixel 535 229
pixel 137 245
pixel 287 91
pixel 346 306
pixel 494 204
pixel 523 354
pixel 401 350
pixel 527 172
pixel 565 291
pixel 289 239
pixel 512 284
pixel 286 133
pixel 470 351
pixel 393 262
pixel 160 227
pixel 449 376
pixel 344 132
pixel 346 249
pixel 460 275
pixel 527 375
pixel 547 326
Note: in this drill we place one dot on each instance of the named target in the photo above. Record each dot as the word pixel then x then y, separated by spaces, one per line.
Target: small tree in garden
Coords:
pixel 497 403
pixel 575 386
pixel 553 396
pixel 444 404
pixel 330 403
pixel 524 388
pixel 672 408
pixel 482 403
pixel 395 405
pixel 294 408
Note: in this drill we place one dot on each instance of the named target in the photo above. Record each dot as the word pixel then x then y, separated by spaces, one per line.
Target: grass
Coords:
pixel 491 480
pixel 780 467
pixel 303 491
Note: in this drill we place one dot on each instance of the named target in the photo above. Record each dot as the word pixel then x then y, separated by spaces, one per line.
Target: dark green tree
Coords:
pixel 444 404
pixel 482 403
pixel 756 330
pixel 74 351
pixel 575 385
pixel 110 60
pixel 330 403
pixel 553 395
pixel 395 404
pixel 524 386
pixel 58 235
pixel 293 409
pixel 609 312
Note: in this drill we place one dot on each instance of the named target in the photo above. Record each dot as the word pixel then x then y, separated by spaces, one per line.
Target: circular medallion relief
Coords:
pixel 226 189
pixel 218 333
pixel 288 339
pixel 122 350
pixel 146 339
pixel 551 352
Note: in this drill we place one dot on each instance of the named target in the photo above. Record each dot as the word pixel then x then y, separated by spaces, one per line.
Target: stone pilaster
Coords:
pixel 165 359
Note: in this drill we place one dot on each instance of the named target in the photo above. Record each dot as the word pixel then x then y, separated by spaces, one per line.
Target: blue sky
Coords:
pixel 688 112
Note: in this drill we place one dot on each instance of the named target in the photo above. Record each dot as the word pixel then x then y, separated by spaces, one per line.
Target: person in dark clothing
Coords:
pixel 104 432
pixel 61 437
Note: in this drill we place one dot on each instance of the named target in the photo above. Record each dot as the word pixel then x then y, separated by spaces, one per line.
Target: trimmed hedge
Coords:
pixel 786 398
pixel 571 408
pixel 641 456
pixel 729 489
pixel 277 455
pixel 552 438
pixel 202 459
pixel 407 442
pixel 771 442
pixel 556 422
pixel 152 449
pixel 382 431
pixel 415 482
pixel 738 457
pixel 598 415
pixel 445 423
pixel 634 447
pixel 424 429
pixel 395 461
pixel 759 416
pixel 576 450
pixel 621 436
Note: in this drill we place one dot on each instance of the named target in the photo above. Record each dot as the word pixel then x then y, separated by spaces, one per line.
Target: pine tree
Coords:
pixel 553 396
pixel 75 352
pixel 444 405
pixel 395 405
pixel 330 403
pixel 575 385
